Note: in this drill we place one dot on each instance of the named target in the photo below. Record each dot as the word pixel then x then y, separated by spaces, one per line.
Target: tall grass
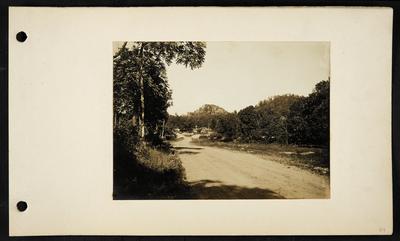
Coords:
pixel 160 161
pixel 144 172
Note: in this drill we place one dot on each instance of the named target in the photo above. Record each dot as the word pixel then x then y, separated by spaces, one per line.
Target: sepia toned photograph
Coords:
pixel 264 122
pixel 221 120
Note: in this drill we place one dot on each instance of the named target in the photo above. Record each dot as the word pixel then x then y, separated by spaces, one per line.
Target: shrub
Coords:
pixel 147 173
pixel 161 162
pixel 203 137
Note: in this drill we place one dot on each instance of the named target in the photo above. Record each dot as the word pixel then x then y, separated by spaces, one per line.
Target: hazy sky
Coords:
pixel 238 74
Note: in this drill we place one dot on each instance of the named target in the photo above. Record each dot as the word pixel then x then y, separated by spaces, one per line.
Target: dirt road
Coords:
pixel 216 173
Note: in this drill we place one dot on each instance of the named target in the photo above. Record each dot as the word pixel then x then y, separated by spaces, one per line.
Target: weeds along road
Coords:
pixel 216 173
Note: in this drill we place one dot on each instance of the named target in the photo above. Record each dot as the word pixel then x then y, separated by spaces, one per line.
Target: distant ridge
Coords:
pixel 209 109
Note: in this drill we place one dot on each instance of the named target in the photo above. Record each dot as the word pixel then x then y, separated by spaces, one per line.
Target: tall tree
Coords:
pixel 145 64
pixel 249 123
pixel 308 120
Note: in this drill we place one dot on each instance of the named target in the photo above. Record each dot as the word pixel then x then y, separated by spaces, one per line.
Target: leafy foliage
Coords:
pixel 205 116
pixel 308 120
pixel 149 60
pixel 249 123
pixel 228 125
pixel 140 86
pixel 284 119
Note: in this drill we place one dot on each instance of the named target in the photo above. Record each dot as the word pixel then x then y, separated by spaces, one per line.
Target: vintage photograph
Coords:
pixel 221 120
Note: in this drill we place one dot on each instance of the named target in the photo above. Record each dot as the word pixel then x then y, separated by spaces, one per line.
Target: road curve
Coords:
pixel 216 173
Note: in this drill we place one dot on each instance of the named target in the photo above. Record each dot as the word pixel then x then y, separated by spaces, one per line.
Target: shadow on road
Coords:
pixel 188 152
pixel 188 148
pixel 204 189
pixel 209 189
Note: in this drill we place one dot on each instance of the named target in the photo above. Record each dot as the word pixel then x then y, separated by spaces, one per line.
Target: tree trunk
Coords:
pixel 141 116
pixel 141 84
pixel 163 127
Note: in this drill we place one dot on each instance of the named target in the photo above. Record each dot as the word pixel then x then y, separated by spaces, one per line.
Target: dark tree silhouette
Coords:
pixel 141 90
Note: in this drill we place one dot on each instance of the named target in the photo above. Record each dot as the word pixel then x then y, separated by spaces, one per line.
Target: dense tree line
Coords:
pixel 308 119
pixel 285 119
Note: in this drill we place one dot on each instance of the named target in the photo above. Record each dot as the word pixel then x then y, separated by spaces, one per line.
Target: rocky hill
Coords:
pixel 209 109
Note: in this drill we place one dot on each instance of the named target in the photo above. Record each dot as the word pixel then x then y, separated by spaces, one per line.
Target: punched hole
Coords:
pixel 22 206
pixel 21 36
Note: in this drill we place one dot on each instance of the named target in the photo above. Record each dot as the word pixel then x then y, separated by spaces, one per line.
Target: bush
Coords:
pixel 226 139
pixel 203 137
pixel 215 136
pixel 161 162
pixel 144 171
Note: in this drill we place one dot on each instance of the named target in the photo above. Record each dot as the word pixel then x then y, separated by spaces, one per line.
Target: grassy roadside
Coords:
pixel 148 173
pixel 315 160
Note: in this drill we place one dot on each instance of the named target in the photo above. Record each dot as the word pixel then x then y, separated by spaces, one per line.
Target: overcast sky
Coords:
pixel 238 74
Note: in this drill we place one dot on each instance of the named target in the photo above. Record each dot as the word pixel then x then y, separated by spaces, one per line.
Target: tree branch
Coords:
pixel 120 50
